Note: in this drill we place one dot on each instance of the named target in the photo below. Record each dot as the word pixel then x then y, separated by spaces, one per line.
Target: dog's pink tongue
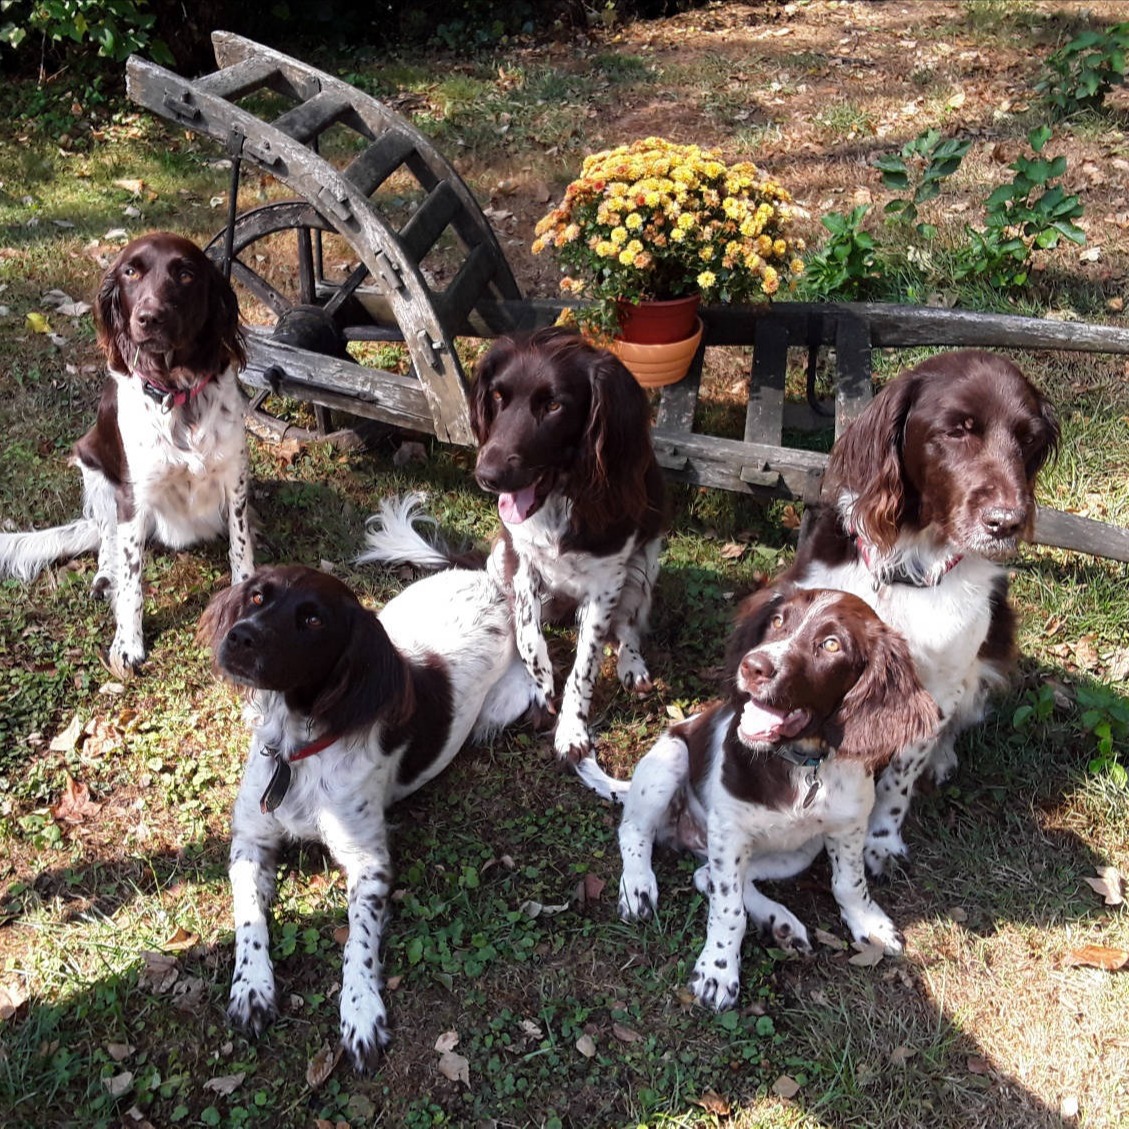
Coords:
pixel 759 721
pixel 514 508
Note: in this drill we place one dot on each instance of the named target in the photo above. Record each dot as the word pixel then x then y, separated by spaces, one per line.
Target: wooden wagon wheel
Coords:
pixel 429 314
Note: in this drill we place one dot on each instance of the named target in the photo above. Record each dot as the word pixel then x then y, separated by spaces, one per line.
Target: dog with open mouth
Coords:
pixel 820 695
pixel 564 441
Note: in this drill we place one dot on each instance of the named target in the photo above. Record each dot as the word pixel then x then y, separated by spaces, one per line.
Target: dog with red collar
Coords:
pixel 166 458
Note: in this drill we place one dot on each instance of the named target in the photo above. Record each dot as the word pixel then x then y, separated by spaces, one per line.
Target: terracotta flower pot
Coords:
pixel 655 366
pixel 654 323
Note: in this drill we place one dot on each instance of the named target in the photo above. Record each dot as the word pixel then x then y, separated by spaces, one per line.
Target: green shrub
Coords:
pixel 923 165
pixel 1031 211
pixel 1081 74
pixel 117 28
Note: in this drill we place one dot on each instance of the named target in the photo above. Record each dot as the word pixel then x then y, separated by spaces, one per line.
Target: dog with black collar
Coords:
pixel 819 695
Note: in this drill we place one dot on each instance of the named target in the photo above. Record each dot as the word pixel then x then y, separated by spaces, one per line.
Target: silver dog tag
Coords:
pixel 814 785
pixel 279 784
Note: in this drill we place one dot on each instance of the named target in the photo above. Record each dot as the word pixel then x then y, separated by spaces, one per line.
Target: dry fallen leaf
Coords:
pixel 625 1034
pixel 180 940
pixel 65 741
pixel 1108 883
pixel 785 1087
pixel 588 890
pixel 586 1045
pixel 899 1056
pixel 732 550
pixel 120 1084
pixel 713 1103
pixel 119 1051
pixel 789 518
pixel 225 1083
pixel 1097 956
pixel 454 1067
pixel 448 1041
pixel 868 955
pixel 158 971
pixel 978 1065
pixel 341 934
pixel 320 1067
pixel 12 997
pixel 829 939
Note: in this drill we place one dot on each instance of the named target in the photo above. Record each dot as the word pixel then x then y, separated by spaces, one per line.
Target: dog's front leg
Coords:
pixel 632 614
pixel 241 543
pixel 127 651
pixel 364 1020
pixel 100 506
pixel 647 809
pixel 716 978
pixel 252 1004
pixel 891 802
pixel 531 645
pixel 848 883
pixel 572 740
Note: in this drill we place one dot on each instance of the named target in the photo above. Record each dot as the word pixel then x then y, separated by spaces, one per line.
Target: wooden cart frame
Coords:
pixel 392 296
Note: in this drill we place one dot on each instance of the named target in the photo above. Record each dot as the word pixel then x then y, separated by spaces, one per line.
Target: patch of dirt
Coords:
pixel 813 91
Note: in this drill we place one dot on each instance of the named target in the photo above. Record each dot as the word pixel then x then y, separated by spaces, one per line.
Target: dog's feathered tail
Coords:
pixel 590 773
pixel 391 537
pixel 25 554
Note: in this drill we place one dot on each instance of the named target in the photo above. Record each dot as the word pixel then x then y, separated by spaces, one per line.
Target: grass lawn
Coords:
pixel 115 931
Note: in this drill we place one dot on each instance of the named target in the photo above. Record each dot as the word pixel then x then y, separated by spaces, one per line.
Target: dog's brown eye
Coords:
pixel 496 396
pixel 831 645
pixel 313 620
pixel 257 599
pixel 129 272
pixel 966 427
pixel 777 621
pixel 185 277
pixel 553 406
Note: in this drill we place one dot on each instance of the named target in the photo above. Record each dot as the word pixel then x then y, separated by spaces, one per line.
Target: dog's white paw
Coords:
pixel 632 671
pixel 125 656
pixel 715 982
pixel 571 740
pixel 875 928
pixel 883 843
pixel 786 931
pixel 364 1025
pixel 638 895
pixel 252 1005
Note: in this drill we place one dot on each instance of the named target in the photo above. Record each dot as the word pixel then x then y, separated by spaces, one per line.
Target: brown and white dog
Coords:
pixel 350 712
pixel 820 694
pixel 564 441
pixel 166 457
pixel 929 492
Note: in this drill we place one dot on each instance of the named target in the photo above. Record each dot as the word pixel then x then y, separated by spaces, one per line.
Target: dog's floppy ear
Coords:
pixel 866 461
pixel 749 624
pixel 369 681
pixel 481 415
pixel 616 452
pixel 109 324
pixel 887 709
pixel 225 331
pixel 220 616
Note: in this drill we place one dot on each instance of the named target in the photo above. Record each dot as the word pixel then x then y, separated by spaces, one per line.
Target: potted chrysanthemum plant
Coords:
pixel 655 222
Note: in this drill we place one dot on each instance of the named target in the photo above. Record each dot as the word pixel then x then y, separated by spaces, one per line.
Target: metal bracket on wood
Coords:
pixel 758 476
pixel 431 348
pixel 180 107
pixel 387 273
pixel 334 204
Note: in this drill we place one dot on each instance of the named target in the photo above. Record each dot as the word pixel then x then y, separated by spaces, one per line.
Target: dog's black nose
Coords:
pixel 756 667
pixel 1003 521
pixel 242 637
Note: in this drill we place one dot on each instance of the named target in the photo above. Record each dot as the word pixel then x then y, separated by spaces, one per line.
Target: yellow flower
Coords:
pixel 686 221
pixel 707 279
pixel 634 221
pixel 618 236
pixel 627 258
pixel 796 266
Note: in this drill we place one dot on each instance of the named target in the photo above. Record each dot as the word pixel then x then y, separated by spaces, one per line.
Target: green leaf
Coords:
pixel 1039 136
